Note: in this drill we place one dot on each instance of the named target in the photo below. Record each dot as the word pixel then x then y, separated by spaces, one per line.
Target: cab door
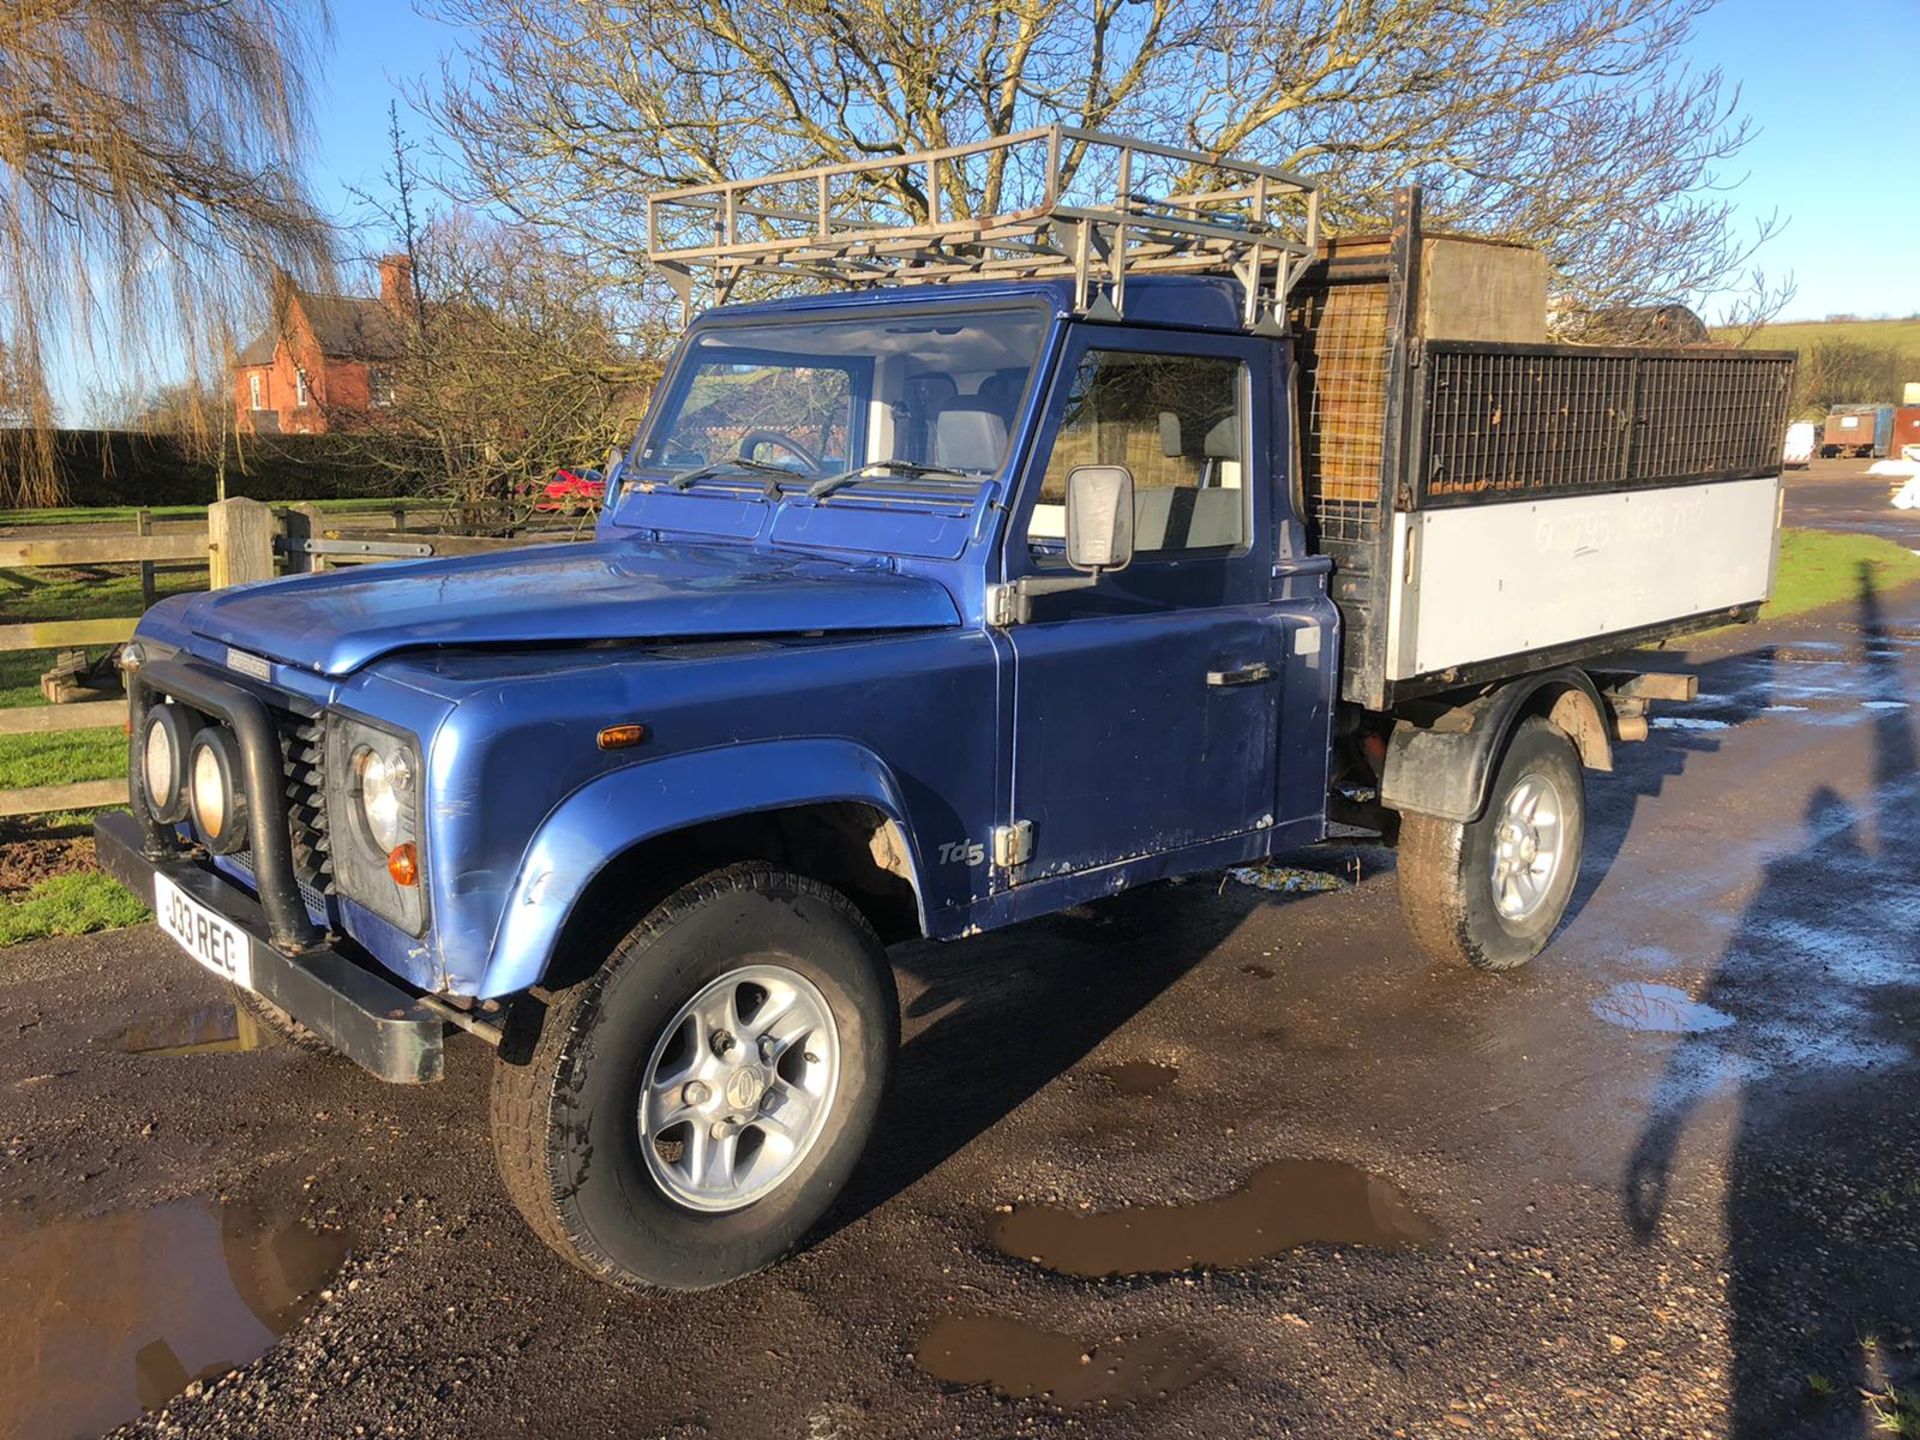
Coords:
pixel 1145 706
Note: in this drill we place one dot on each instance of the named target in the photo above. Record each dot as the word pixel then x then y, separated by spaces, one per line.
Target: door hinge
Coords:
pixel 1013 604
pixel 1013 844
pixel 1005 605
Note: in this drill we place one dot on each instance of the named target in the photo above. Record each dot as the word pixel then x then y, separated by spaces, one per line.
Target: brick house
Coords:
pixel 323 361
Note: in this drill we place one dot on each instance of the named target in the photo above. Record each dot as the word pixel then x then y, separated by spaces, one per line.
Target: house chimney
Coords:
pixel 396 283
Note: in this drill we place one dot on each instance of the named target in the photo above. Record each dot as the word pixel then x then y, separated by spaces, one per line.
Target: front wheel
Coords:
pixel 1490 892
pixel 690 1111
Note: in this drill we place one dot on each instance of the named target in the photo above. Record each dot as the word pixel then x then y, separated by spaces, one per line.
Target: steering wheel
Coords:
pixel 754 439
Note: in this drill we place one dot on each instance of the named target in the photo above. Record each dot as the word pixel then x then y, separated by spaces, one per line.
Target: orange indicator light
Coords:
pixel 403 864
pixel 622 737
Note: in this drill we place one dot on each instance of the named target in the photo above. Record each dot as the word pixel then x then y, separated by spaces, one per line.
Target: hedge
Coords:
pixel 127 468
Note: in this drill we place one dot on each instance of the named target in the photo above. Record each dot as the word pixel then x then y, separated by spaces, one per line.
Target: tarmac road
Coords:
pixel 1841 495
pixel 1664 1182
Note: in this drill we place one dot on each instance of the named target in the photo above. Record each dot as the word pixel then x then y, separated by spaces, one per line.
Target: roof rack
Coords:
pixel 1085 205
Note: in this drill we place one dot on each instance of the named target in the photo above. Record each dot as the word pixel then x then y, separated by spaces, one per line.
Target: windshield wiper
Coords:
pixel 827 484
pixel 686 478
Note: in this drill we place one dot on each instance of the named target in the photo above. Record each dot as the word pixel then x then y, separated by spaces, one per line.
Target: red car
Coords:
pixel 568 492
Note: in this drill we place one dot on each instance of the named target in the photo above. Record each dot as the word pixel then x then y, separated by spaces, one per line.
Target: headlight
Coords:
pixel 385 787
pixel 209 791
pixel 163 760
pixel 372 780
pixel 219 800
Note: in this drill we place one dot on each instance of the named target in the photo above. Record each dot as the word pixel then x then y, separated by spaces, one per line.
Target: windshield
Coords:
pixel 900 395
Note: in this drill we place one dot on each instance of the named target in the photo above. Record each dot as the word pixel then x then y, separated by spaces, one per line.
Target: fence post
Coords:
pixel 239 542
pixel 143 525
pixel 303 522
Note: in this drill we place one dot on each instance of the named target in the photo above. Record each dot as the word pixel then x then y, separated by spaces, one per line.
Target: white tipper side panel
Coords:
pixel 1490 580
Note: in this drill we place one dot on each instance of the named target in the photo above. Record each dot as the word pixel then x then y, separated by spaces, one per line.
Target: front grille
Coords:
pixel 303 754
pixel 303 747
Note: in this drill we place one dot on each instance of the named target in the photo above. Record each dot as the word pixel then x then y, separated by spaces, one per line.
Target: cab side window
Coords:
pixel 1178 422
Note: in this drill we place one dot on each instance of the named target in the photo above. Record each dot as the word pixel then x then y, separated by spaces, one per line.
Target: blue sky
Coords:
pixel 1822 108
pixel 383 50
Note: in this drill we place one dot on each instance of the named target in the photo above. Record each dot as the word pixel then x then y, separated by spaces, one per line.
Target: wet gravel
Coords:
pixel 1669 1174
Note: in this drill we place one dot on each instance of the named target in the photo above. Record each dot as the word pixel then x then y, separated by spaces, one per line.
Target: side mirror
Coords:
pixel 1099 518
pixel 611 475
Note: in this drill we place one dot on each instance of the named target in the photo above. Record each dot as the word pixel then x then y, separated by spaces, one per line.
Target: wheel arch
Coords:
pixel 825 809
pixel 1441 756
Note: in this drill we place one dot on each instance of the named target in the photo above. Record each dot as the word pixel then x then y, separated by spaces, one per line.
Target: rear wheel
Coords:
pixel 690 1111
pixel 1490 892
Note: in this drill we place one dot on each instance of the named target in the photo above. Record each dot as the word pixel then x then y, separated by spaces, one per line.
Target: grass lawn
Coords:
pixel 66 897
pixel 1798 334
pixel 61 758
pixel 1822 567
pixel 68 905
pixel 96 594
pixel 89 593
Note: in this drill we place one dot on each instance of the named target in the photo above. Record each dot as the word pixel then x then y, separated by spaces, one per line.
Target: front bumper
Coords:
pixel 365 1016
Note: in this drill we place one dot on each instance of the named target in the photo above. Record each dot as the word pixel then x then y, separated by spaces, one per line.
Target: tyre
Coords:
pixel 1490 892
pixel 688 1112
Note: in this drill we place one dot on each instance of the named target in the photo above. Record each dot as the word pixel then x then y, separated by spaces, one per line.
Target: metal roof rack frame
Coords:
pixel 904 219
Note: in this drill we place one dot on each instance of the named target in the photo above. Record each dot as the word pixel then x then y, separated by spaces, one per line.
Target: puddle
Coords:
pixel 1140 1077
pixel 1026 1362
pixel 1884 705
pixel 1784 709
pixel 1285 1204
pixel 1661 1009
pixel 103 1318
pixel 216 1028
pixel 1259 972
pixel 1287 879
pixel 1688 722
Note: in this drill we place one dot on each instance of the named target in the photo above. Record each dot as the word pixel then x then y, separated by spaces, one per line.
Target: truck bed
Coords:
pixel 1494 507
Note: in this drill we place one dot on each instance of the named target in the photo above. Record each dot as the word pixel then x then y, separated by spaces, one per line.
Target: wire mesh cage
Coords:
pixel 1540 420
pixel 1342 350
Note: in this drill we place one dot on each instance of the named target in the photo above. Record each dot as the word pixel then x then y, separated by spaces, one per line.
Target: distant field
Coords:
pixel 1797 334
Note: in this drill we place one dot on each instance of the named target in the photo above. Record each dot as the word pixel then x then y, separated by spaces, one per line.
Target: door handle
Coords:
pixel 1246 675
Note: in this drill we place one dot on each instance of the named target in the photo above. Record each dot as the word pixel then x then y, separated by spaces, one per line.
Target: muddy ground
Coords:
pixel 1664 1182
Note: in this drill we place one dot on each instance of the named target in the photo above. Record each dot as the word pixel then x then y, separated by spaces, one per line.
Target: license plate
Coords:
pixel 214 942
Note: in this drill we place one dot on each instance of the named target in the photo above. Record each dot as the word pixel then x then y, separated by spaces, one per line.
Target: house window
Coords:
pixel 253 390
pixel 300 388
pixel 379 385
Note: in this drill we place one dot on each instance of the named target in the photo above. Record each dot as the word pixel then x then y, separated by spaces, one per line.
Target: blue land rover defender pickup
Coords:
pixel 1027 560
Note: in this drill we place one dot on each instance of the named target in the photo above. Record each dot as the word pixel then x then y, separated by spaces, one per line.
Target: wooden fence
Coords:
pixel 244 540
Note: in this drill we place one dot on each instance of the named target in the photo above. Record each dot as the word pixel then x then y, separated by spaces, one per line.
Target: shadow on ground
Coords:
pixel 1003 1015
pixel 1823 1186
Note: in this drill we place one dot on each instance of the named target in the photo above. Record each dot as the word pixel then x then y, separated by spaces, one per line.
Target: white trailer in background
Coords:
pixel 1803 437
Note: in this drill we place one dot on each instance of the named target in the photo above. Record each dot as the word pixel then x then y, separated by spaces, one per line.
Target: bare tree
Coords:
pixel 512 367
pixel 1572 124
pixel 1838 371
pixel 149 184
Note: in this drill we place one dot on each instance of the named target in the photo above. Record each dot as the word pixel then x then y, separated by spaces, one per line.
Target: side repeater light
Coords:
pixel 622 737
